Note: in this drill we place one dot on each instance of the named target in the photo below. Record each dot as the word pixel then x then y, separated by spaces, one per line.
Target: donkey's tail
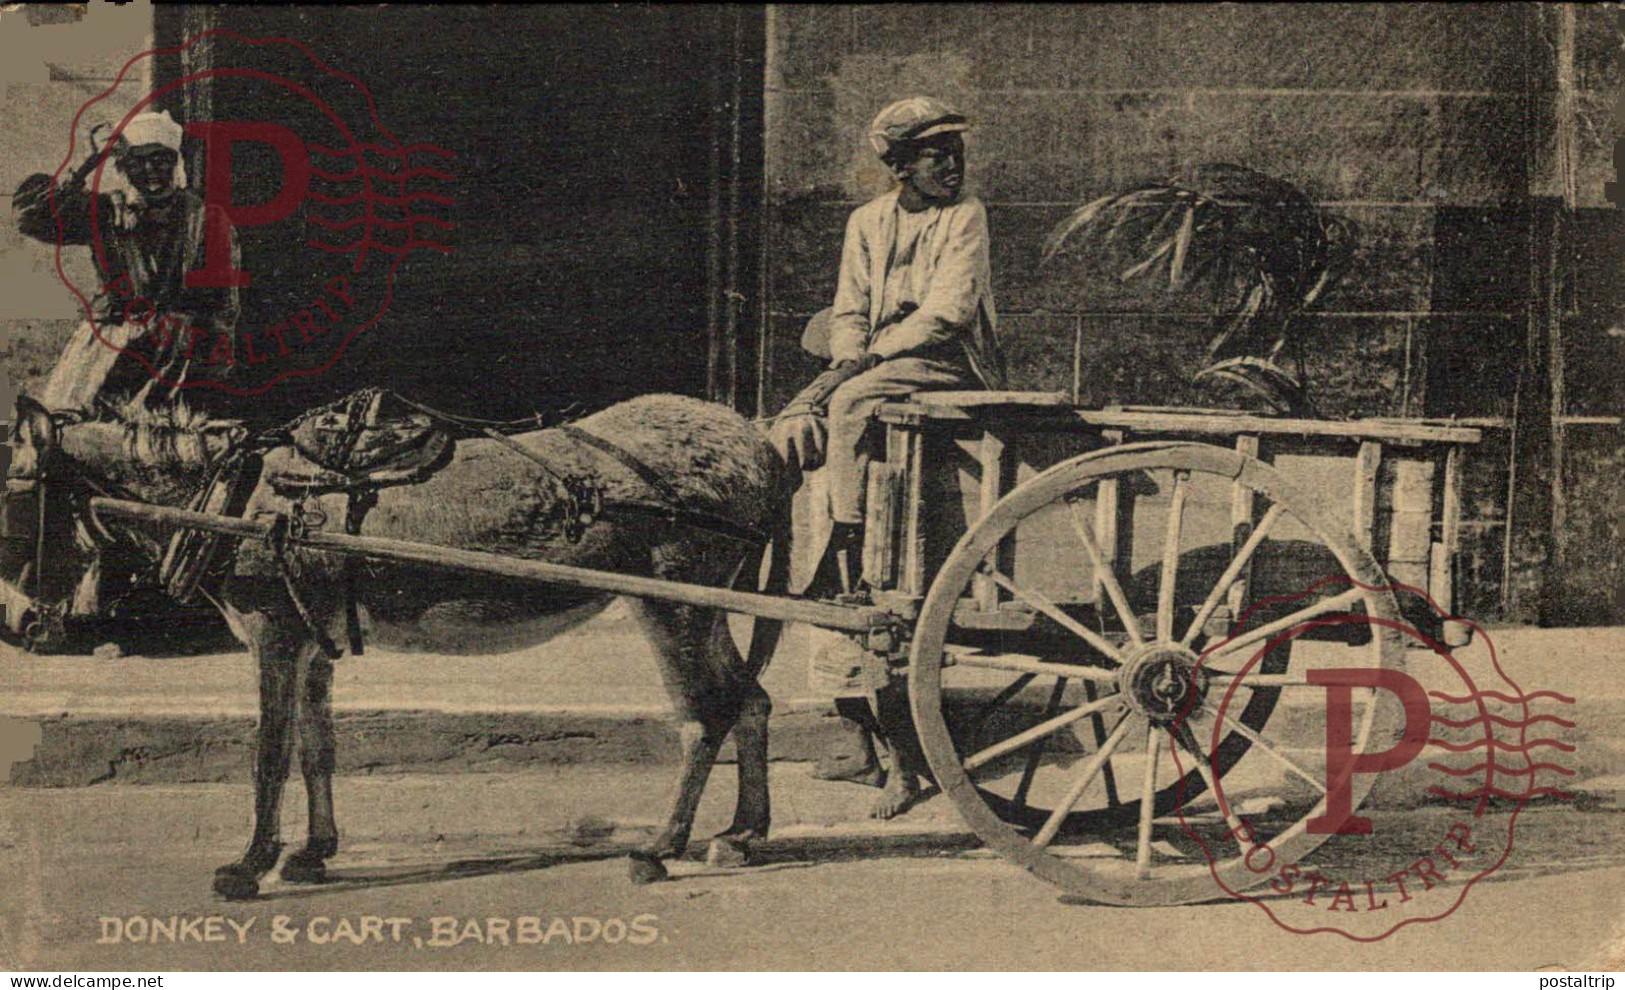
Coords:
pixel 765 633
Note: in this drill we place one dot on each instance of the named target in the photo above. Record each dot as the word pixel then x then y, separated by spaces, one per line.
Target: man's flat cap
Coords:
pixel 911 120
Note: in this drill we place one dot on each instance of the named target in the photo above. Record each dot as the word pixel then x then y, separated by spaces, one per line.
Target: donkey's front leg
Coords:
pixel 316 760
pixel 700 745
pixel 283 652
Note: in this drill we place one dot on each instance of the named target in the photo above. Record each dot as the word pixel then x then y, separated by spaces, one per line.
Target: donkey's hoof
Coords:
pixel 236 886
pixel 304 869
pixel 727 852
pixel 644 868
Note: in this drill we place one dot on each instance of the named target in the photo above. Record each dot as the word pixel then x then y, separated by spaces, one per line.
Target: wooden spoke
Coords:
pixel 1269 748
pixel 1170 557
pixel 997 701
pixel 1148 794
pixel 1099 724
pixel 1041 730
pixel 1027 665
pixel 1337 603
pixel 1262 681
pixel 1035 755
pixel 1039 601
pixel 1232 572
pixel 1090 770
pixel 1108 579
pixel 1187 740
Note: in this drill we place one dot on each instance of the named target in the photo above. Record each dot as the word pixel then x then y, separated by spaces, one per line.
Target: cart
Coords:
pixel 1106 618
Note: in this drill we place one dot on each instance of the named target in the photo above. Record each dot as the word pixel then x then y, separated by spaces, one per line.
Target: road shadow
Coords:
pixel 795 852
pixel 1550 840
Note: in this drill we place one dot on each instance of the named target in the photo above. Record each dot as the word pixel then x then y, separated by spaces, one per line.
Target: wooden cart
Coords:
pixel 1082 617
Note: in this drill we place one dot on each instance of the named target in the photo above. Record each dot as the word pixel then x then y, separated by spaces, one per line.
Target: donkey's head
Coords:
pixel 60 459
pixel 41 561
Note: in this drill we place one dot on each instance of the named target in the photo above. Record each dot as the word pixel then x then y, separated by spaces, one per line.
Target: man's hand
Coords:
pixel 868 361
pixel 801 439
pixel 801 430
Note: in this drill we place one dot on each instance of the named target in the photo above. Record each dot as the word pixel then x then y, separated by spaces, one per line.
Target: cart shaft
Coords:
pixel 849 618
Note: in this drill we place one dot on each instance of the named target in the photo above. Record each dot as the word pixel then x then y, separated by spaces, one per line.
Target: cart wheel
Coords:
pixel 1104 781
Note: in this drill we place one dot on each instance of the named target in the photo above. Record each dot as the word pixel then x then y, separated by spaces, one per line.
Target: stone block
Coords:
pixel 1017 236
pixel 1590 576
pixel 1141 360
pixel 1039 350
pixel 790 367
pixel 1375 47
pixel 1472 364
pixel 806 253
pixel 1599 43
pixel 1481 260
pixel 1358 366
pixel 812 37
pixel 1334 147
pixel 806 148
pixel 1393 263
pixel 896 29
pixel 1476 151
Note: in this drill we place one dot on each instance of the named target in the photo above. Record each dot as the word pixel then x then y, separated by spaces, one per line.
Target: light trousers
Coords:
pixel 851 411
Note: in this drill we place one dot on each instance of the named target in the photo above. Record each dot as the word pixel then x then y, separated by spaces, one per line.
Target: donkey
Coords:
pixel 487 497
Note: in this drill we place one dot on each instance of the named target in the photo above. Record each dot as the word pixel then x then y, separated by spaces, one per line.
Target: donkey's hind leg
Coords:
pixel 316 761
pixel 753 812
pixel 707 703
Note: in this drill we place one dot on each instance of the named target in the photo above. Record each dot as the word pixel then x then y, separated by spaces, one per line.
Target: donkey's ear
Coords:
pixel 33 423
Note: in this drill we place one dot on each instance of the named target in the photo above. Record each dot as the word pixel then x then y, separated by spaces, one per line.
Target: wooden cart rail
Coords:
pixel 848 618
pixel 1392 465
pixel 1038 407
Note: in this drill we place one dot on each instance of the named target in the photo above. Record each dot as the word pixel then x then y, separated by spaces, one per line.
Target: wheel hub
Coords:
pixel 1163 682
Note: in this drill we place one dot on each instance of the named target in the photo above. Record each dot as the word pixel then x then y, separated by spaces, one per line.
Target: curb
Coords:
pixel 85 723
pixel 80 750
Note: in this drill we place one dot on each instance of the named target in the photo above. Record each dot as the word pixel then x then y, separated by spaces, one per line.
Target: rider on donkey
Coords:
pixel 143 242
pixel 913 311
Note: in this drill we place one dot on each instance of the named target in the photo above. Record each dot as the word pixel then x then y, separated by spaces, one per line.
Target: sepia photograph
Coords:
pixel 1105 488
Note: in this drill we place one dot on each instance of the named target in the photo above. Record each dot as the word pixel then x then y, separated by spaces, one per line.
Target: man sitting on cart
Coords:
pixel 913 311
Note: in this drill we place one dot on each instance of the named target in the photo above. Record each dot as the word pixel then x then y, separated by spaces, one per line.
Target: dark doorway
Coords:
pixel 597 152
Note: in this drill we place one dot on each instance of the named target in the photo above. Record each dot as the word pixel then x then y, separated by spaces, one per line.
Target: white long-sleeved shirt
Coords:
pixel 934 266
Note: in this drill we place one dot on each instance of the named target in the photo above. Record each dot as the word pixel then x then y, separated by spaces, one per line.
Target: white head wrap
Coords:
pixel 154 128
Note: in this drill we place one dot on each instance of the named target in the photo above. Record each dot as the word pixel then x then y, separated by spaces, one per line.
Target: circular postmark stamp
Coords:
pixel 281 250
pixel 1449 748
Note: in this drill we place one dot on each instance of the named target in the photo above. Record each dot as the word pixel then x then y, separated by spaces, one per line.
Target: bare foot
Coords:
pixel 895 798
